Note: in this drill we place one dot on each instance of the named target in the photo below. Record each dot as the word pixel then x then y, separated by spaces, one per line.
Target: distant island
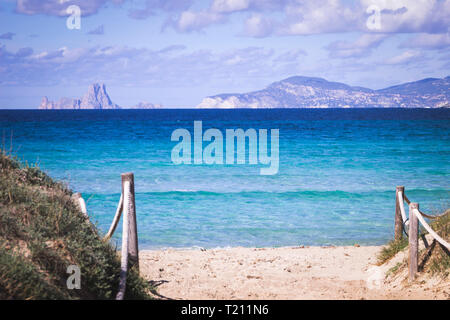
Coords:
pixel 293 92
pixel 95 98
pixel 310 92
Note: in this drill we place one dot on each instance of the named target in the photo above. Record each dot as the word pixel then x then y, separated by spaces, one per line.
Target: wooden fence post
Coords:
pixel 125 241
pixel 398 232
pixel 413 241
pixel 80 203
pixel 133 250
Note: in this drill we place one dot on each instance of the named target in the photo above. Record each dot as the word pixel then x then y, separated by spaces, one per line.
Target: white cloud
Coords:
pixel 298 17
pixel 151 7
pixel 428 41
pixel 405 57
pixel 312 17
pixel 363 46
pixel 258 26
pixel 191 21
pixel 138 67
pixel 294 17
pixel 223 6
pixel 432 16
pixel 291 56
pixel 58 8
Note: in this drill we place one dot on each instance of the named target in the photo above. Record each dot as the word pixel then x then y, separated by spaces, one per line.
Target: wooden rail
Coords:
pixel 413 235
pixel 415 216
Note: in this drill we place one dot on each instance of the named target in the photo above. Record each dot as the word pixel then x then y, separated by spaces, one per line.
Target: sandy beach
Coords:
pixel 348 272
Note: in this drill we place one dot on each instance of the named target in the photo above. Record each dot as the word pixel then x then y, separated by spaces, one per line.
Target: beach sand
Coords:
pixel 347 272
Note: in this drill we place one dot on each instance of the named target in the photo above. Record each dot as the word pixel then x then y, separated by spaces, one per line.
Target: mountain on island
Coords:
pixel 310 92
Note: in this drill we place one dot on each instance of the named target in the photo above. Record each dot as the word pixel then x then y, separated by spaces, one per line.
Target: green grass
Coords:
pixel 42 232
pixel 394 269
pixel 439 261
pixel 392 248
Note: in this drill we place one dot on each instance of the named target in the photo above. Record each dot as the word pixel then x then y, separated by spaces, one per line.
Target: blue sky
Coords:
pixel 176 52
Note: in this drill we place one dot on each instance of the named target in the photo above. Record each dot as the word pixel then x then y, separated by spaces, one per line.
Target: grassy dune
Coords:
pixel 42 232
pixel 436 260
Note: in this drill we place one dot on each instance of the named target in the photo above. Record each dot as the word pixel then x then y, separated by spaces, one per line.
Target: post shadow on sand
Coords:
pixel 156 283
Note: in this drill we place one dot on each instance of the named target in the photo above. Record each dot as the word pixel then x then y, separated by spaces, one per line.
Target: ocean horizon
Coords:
pixel 338 169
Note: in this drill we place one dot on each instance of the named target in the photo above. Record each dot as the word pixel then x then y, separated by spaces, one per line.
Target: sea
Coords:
pixel 335 185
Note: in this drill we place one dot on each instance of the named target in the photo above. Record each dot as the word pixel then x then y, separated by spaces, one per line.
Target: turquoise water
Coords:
pixel 336 181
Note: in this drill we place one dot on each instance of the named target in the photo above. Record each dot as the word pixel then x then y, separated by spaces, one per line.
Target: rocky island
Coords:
pixel 95 98
pixel 293 92
pixel 310 92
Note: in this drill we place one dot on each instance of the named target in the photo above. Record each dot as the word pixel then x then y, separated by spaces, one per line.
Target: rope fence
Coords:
pixel 130 252
pixel 402 223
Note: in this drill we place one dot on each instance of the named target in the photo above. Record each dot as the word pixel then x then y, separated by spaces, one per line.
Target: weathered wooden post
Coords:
pixel 133 250
pixel 130 250
pixel 413 240
pixel 398 232
pixel 125 241
pixel 80 202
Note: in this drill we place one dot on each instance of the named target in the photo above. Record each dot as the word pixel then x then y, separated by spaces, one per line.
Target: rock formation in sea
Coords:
pixel 146 105
pixel 63 103
pixel 95 98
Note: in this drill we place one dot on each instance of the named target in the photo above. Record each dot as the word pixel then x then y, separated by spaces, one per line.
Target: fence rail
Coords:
pixel 412 222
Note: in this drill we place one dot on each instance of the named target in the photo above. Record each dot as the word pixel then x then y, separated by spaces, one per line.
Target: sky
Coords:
pixel 177 52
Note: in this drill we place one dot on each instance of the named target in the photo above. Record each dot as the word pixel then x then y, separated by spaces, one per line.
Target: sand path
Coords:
pixel 273 273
